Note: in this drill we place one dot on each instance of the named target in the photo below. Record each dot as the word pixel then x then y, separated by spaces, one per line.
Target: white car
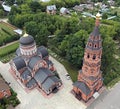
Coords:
pixel 67 76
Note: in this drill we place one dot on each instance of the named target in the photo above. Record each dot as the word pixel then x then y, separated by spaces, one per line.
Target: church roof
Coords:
pixel 26 39
pixel 51 7
pixel 95 32
pixel 42 74
pixel 26 74
pixel 19 62
pixel 83 87
pixel 49 82
pixel 31 83
pixel 43 51
pixel 46 78
pixel 33 61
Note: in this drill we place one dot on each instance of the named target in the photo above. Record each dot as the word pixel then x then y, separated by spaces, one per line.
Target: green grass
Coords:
pixel 113 82
pixel 8 49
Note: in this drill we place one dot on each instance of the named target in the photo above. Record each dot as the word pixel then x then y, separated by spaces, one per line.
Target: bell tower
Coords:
pixel 90 76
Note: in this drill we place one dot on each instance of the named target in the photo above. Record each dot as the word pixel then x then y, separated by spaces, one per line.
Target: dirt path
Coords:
pixel 9 44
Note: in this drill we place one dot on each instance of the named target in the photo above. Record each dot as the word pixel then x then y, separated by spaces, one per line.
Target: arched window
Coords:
pixel 88 56
pixel 95 45
pixel 94 57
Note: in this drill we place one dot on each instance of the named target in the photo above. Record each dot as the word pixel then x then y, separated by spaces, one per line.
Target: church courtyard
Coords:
pixel 33 99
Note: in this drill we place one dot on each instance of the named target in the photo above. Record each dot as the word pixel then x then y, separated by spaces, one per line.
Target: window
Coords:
pixel 94 57
pixel 88 56
pixel 95 46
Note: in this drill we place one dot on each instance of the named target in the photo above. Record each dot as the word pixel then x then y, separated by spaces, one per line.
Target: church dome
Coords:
pixel 26 39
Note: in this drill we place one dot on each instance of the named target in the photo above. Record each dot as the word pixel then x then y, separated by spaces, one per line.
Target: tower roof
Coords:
pixel 83 87
pixel 94 41
pixel 95 31
pixel 26 39
pixel 96 28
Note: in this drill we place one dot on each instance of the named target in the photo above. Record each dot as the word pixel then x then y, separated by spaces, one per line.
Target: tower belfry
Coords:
pixel 90 76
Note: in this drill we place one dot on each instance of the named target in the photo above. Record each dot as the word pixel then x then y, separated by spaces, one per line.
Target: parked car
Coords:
pixel 67 76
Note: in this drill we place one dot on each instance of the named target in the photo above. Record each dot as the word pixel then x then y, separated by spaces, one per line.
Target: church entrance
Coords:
pixel 78 96
pixel 55 89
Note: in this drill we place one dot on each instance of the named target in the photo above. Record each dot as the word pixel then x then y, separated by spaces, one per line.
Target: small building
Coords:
pixel 111 2
pixel 6 7
pixel 33 67
pixel 4 89
pixel 18 31
pixel 78 8
pixel 64 11
pixel 51 9
pixel 89 6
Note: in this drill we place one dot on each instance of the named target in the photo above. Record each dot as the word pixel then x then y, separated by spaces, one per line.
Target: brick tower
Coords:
pixel 90 77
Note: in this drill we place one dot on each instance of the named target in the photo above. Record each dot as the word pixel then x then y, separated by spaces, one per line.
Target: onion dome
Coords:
pixel 26 39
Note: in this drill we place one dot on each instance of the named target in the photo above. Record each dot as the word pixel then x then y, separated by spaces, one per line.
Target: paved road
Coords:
pixel 109 99
pixel 5 19
pixel 63 99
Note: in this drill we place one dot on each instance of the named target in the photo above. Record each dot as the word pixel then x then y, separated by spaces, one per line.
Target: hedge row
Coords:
pixel 8 49
pixel 9 39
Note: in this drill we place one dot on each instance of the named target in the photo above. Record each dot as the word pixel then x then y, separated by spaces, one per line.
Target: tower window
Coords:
pixel 94 57
pixel 95 46
pixel 88 56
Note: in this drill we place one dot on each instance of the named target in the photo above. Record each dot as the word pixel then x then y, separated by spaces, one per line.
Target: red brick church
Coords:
pixel 90 76
pixel 32 66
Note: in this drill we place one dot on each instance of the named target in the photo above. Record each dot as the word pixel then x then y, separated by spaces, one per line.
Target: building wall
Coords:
pixel 51 12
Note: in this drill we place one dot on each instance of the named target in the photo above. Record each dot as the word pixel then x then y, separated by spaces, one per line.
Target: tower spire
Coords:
pixel 98 17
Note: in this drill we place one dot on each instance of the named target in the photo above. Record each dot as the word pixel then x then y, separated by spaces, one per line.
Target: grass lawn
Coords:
pixel 8 49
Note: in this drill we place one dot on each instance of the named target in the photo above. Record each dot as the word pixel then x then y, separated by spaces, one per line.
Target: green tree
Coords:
pixel 15 10
pixel 34 5
pixel 1 13
pixel 32 28
pixel 104 16
pixel 42 35
pixel 10 2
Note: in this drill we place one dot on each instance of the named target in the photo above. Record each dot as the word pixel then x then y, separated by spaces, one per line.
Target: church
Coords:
pixel 90 76
pixel 33 67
